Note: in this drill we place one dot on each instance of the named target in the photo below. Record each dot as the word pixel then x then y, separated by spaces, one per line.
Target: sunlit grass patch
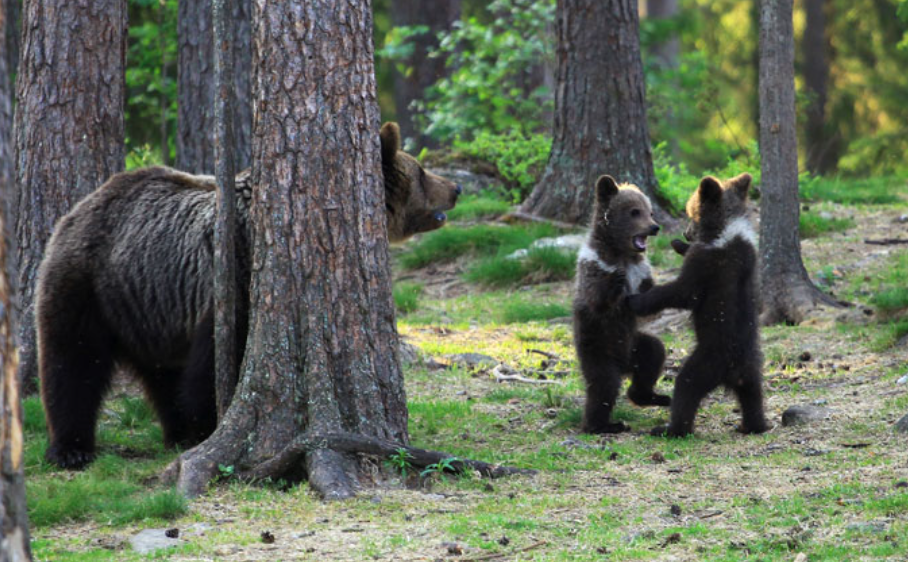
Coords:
pixel 476 207
pixel 539 265
pixel 814 224
pixel 851 191
pixel 452 242
pixel 526 311
pixel 406 296
pixel 492 307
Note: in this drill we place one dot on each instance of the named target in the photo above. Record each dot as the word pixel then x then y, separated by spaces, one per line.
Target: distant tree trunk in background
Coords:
pixel 600 110
pixel 68 126
pixel 322 348
pixel 666 52
pixel 822 152
pixel 14 542
pixel 195 78
pixel 787 291
pixel 163 97
pixel 11 9
pixel 425 71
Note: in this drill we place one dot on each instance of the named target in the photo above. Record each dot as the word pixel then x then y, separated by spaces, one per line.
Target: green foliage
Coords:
pixel 489 88
pixel 475 207
pixel 399 461
pixel 527 311
pixel 452 242
pixel 813 224
pixel 406 296
pixel 519 157
pixel 440 467
pixel 539 265
pixel 853 191
pixel 891 292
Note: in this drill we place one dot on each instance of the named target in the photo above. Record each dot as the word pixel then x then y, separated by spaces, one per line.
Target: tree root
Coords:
pixel 793 304
pixel 314 445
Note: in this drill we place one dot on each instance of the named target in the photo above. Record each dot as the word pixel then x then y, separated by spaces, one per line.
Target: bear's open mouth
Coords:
pixel 639 243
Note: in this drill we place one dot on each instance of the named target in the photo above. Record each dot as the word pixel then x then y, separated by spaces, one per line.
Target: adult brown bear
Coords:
pixel 127 282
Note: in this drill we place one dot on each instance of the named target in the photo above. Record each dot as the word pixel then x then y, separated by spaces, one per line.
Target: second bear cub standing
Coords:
pixel 718 283
pixel 610 266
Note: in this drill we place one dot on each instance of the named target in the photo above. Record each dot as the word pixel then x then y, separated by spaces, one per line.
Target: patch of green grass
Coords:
pixel 851 191
pixel 539 265
pixel 476 207
pixel 527 311
pixel 452 242
pixel 406 296
pixel 813 224
pixel 891 292
pixel 661 253
pixel 493 307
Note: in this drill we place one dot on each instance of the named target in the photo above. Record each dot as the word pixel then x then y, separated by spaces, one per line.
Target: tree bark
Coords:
pixel 787 291
pixel 822 143
pixel 68 126
pixel 224 240
pixel 425 71
pixel 322 348
pixel 14 543
pixel 600 111
pixel 195 78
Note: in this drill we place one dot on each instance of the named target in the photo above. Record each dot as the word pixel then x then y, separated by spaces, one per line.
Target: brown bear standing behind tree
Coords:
pixel 611 265
pixel 718 283
pixel 127 281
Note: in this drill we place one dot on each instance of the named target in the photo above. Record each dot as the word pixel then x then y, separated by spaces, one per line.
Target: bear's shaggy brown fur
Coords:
pixel 611 265
pixel 127 281
pixel 718 283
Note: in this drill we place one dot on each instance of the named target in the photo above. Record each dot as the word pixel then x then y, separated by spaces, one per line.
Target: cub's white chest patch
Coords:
pixel 635 273
pixel 738 228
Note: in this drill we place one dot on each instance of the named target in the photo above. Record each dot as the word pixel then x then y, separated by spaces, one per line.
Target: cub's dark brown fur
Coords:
pixel 718 283
pixel 611 266
pixel 127 281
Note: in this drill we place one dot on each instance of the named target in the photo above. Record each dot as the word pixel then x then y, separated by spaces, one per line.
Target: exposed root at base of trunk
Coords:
pixel 312 445
pixel 792 305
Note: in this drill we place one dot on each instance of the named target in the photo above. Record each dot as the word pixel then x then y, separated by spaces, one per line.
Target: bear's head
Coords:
pixel 416 199
pixel 622 218
pixel 715 206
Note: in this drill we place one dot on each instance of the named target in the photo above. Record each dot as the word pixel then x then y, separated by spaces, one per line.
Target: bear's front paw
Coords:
pixel 755 428
pixel 614 427
pixel 667 431
pixel 649 398
pixel 71 459
pixel 680 246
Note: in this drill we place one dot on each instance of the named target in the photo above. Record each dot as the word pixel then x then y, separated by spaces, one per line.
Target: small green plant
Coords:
pixel 406 296
pixel 446 465
pixel 399 462
pixel 226 471
pixel 812 224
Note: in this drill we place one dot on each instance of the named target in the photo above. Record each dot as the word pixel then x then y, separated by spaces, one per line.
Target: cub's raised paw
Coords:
pixel 649 399
pixel 680 246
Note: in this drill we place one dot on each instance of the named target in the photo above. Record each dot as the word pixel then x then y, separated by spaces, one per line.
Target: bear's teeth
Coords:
pixel 640 242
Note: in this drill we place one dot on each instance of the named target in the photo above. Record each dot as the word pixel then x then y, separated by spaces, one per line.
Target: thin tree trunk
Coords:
pixel 224 240
pixel 665 52
pixel 424 71
pixel 600 110
pixel 787 291
pixel 195 77
pixel 14 543
pixel 322 347
pixel 68 126
pixel 165 71
pixel 822 151
pixel 12 9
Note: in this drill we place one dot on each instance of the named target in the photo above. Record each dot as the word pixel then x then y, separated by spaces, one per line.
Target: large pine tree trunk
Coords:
pixel 787 291
pixel 425 71
pixel 322 347
pixel 600 110
pixel 14 544
pixel 68 126
pixel 195 78
pixel 822 143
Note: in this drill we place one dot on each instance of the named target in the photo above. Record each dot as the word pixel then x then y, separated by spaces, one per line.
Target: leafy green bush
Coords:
pixel 519 157
pixel 475 207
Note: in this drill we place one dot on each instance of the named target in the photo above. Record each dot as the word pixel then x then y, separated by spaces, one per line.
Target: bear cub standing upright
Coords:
pixel 610 266
pixel 127 281
pixel 718 283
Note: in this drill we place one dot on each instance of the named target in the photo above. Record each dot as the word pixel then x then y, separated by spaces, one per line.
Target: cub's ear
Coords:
pixel 709 189
pixel 680 246
pixel 390 141
pixel 606 188
pixel 741 184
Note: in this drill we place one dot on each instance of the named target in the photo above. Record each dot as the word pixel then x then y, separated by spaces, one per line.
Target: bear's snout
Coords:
pixel 654 230
pixel 458 189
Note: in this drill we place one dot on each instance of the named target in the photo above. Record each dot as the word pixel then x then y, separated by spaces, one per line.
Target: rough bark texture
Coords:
pixel 68 125
pixel 224 239
pixel 600 110
pixel 322 347
pixel 822 143
pixel 786 289
pixel 196 89
pixel 425 71
pixel 14 544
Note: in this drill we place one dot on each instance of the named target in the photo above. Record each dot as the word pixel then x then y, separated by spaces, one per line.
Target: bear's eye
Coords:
pixel 635 213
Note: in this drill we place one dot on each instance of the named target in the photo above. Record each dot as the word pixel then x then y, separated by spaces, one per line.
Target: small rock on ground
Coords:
pixel 472 360
pixel 802 414
pixel 150 540
pixel 902 425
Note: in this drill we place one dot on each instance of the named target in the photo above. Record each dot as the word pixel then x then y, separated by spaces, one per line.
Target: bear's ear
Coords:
pixel 390 141
pixel 606 188
pixel 741 184
pixel 710 190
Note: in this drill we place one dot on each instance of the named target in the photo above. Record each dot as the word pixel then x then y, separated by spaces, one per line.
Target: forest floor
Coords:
pixel 835 488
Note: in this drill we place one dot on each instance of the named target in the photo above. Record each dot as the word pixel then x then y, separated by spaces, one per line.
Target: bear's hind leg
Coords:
pixel 603 384
pixel 750 396
pixel 159 387
pixel 76 366
pixel 197 393
pixel 696 379
pixel 647 359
